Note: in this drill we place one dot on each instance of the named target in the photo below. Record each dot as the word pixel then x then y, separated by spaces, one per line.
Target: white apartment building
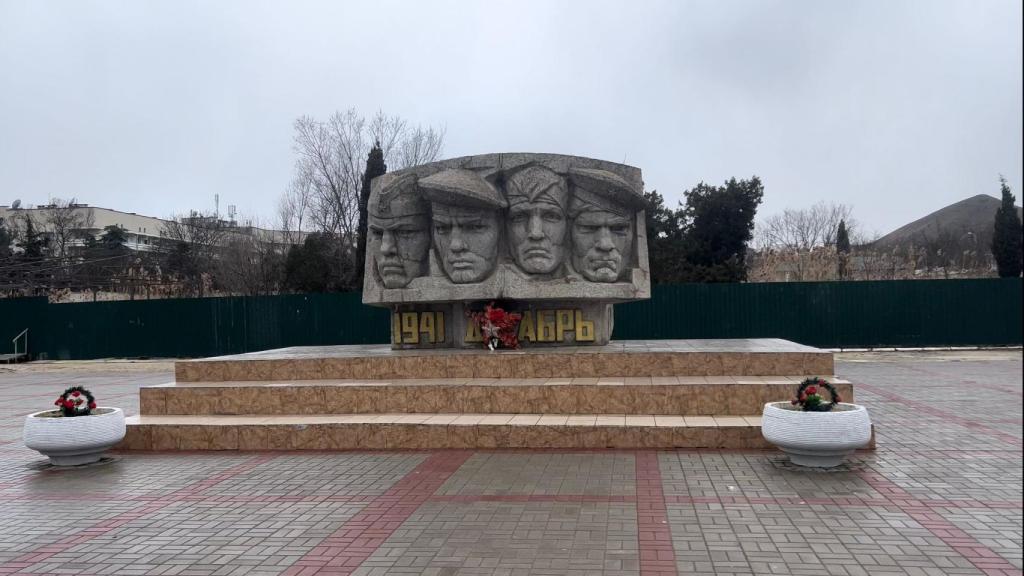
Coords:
pixel 143 233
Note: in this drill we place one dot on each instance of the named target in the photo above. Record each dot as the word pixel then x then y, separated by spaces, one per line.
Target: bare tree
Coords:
pixel 791 265
pixel 65 222
pixel 251 262
pixel 806 228
pixel 193 242
pixel 421 145
pixel 324 194
pixel 293 209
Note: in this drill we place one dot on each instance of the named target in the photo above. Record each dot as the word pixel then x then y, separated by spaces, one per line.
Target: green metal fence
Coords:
pixel 909 313
pixel 826 314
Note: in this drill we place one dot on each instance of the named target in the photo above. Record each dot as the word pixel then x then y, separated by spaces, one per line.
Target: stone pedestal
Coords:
pixel 652 394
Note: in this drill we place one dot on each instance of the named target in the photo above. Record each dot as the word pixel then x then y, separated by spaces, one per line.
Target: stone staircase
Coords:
pixel 657 394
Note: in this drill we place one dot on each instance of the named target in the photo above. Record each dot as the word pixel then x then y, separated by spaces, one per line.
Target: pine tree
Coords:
pixel 113 240
pixel 375 166
pixel 1006 239
pixel 664 239
pixel 842 249
pixel 33 243
pixel 720 222
pixel 6 239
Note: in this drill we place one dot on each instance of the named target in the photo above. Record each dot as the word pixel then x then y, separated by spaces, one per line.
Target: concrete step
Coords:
pixel 434 431
pixel 760 357
pixel 682 395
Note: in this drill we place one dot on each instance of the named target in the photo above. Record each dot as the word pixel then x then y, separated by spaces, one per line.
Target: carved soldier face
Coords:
pixel 466 240
pixel 537 235
pixel 602 242
pixel 401 246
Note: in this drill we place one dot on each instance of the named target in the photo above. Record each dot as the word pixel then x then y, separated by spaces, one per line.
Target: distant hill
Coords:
pixel 975 215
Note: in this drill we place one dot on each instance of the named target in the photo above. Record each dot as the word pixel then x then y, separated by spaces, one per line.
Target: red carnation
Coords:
pixel 92 405
pixel 68 404
pixel 812 390
pixel 58 402
pixel 76 393
pixel 794 401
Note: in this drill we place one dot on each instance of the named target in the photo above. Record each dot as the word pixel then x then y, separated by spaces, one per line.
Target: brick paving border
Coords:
pixel 351 544
pixel 981 556
pixel 48 551
pixel 944 414
pixel 354 542
pixel 654 535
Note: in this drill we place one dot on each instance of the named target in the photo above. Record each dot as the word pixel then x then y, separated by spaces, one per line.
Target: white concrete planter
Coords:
pixel 71 441
pixel 816 439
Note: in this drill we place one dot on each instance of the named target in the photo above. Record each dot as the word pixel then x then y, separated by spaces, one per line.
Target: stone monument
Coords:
pixel 553 240
pixel 507 250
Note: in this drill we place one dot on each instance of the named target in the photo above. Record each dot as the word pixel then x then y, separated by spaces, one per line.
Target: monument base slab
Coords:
pixel 633 394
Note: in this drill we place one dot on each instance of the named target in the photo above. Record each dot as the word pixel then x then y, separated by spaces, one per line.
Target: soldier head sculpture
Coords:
pixel 537 221
pixel 602 211
pixel 399 225
pixel 538 245
pixel 466 223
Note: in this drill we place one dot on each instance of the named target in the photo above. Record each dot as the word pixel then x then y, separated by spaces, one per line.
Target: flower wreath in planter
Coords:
pixel 75 401
pixel 808 396
pixel 498 327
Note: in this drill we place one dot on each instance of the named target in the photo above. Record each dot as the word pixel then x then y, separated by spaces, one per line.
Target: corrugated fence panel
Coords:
pixel 974 312
pixel 17 314
pixel 827 314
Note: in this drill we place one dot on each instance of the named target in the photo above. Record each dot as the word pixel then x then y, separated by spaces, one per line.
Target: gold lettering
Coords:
pixel 584 328
pixel 410 328
pixel 427 326
pixel 396 327
pixel 545 326
pixel 439 321
pixel 563 323
pixel 473 332
pixel 526 329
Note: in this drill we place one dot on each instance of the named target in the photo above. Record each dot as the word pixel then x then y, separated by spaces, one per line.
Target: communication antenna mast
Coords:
pixel 216 205
pixel 232 210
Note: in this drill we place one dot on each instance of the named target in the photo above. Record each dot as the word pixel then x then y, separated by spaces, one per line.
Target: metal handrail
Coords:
pixel 15 341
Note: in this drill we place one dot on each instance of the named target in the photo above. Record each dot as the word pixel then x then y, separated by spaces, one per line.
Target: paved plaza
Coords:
pixel 941 495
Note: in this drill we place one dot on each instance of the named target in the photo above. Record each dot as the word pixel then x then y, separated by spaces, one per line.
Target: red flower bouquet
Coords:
pixel 498 327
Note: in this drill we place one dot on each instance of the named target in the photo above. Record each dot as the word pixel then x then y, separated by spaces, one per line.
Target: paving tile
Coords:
pixel 941 495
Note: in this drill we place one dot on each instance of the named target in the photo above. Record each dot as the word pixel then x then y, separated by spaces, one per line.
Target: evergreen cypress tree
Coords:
pixel 1006 238
pixel 6 239
pixel 842 238
pixel 375 166
pixel 33 243
pixel 842 248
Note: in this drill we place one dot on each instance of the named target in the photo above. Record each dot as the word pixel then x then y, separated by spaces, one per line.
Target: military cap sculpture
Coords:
pixel 399 224
pixel 555 239
pixel 466 223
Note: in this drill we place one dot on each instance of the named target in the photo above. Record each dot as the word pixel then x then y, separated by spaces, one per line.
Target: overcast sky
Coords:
pixel 894 107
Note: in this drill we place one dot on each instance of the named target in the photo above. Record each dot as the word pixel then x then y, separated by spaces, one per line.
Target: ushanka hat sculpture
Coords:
pixel 534 183
pixel 464 188
pixel 604 191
